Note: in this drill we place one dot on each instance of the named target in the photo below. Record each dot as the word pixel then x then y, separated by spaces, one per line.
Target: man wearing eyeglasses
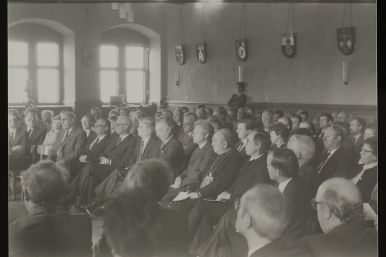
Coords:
pixel 90 154
pixel 113 157
pixel 340 214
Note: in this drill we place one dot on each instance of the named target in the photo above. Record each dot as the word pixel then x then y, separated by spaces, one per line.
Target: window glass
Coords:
pixel 108 85
pixel 17 83
pixel 108 56
pixel 17 53
pixel 47 54
pixel 135 86
pixel 134 57
pixel 48 85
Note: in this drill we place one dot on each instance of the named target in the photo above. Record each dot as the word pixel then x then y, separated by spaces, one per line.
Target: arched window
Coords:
pixel 123 62
pixel 35 60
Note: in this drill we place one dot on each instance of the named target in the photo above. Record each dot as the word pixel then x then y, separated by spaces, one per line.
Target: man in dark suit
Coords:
pixel 171 149
pixel 219 175
pixel 340 213
pixel 146 147
pixel 244 128
pixel 36 135
pixel 88 122
pixel 18 158
pixel 283 168
pixel 199 161
pixel 45 231
pixel 304 149
pixel 325 120
pixel 335 160
pixel 91 154
pixel 240 99
pixel 262 218
pixel 69 143
pixel 357 129
pixel 186 137
pixel 113 157
pixel 206 214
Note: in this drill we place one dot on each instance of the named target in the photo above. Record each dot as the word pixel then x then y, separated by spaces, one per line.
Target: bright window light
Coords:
pixel 17 53
pixel 134 86
pixel 17 83
pixel 108 85
pixel 48 85
pixel 47 54
pixel 108 56
pixel 134 57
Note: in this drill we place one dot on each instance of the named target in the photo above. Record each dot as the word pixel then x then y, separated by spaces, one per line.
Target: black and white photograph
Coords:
pixel 192 128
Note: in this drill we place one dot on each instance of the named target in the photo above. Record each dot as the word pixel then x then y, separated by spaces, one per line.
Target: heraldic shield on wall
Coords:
pixel 201 52
pixel 346 40
pixel 288 44
pixel 180 56
pixel 242 49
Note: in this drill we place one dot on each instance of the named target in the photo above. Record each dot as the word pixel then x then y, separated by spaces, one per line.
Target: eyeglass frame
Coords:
pixel 314 203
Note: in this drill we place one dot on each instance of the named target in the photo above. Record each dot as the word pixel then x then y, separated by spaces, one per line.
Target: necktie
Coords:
pixel 95 143
pixel 141 150
pixel 59 155
pixel 321 165
pixel 29 133
pixel 119 140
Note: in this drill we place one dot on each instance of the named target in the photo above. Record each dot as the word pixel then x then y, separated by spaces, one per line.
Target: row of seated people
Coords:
pixel 211 168
pixel 136 224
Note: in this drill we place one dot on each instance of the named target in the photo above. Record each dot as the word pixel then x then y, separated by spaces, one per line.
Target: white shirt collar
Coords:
pixel 88 131
pixel 333 151
pixel 255 157
pixel 145 141
pixel 283 185
pixel 202 144
pixel 360 174
pixel 69 131
pixel 252 251
pixel 101 137
pixel 123 137
pixel 167 140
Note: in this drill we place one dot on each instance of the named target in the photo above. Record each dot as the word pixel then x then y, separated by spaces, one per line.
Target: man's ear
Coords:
pixel 297 154
pixel 247 221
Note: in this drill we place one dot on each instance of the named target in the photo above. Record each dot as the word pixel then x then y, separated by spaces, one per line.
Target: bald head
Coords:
pixel 264 212
pixel 340 201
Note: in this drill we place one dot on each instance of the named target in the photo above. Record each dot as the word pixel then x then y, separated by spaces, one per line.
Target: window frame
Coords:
pixel 44 35
pixel 122 69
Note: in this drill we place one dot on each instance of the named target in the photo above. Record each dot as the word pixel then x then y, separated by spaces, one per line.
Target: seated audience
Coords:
pixel 147 147
pixel 303 114
pixel 209 111
pixel 69 143
pixel 51 135
pixel 46 231
pixel 335 161
pixel 340 213
pixel 199 161
pixel 277 115
pixel 91 154
pixel 343 117
pixel 186 137
pixel 96 113
pixel 113 121
pixel 171 149
pixel 267 119
pixel 304 148
pixel 244 128
pixel 279 135
pixel 357 128
pixel 113 156
pixel 295 120
pixel 286 122
pixel 201 112
pixel 88 122
pixel 216 123
pixel 18 157
pixel 262 217
pixel 154 176
pixel 184 109
pixel 206 214
pixel 283 168
pixel 47 116
pixel 366 178
pixel 370 131
pixel 36 135
pixel 178 117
